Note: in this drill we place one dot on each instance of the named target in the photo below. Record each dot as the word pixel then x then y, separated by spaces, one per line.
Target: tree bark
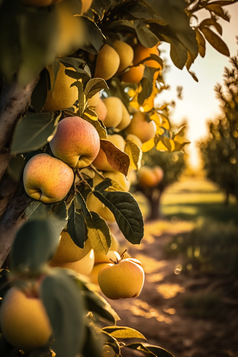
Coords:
pixel 13 103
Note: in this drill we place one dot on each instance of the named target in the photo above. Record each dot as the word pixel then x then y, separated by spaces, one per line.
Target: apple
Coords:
pixel 63 96
pixel 125 53
pixel 125 119
pixel 122 279
pixel 101 110
pixel 100 162
pixel 101 257
pixel 83 266
pixel 134 74
pixel 47 179
pixel 85 5
pixel 76 142
pixel 107 62
pixel 67 251
pixel 114 111
pixel 93 101
pixel 150 176
pixel 140 127
pixel 24 321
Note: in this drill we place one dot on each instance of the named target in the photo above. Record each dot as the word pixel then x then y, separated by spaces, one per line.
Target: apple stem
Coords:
pixel 82 179
pixel 123 253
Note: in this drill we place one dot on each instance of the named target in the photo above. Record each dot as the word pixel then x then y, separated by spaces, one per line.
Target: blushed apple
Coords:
pixel 76 142
pixel 47 179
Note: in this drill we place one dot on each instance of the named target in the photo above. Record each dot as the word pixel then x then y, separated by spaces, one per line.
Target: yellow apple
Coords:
pixel 101 257
pixel 85 5
pixel 124 279
pixel 47 179
pixel 63 96
pixel 101 110
pixel 134 74
pixel 100 162
pixel 114 111
pixel 141 52
pixel 93 101
pixel 125 53
pixel 76 142
pixel 150 176
pixel 67 251
pixel 140 127
pixel 24 321
pixel 107 62
pixel 83 266
pixel 134 139
pixel 125 119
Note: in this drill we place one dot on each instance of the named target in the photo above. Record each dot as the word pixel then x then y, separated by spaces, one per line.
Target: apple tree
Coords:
pixel 65 66
pixel 220 151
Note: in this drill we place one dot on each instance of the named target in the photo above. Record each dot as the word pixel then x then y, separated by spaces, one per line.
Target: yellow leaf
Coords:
pixel 148 145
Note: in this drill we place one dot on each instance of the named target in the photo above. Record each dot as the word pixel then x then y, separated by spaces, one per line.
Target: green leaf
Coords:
pixel 38 35
pixel 15 168
pixel 98 233
pixel 127 213
pixel 146 37
pixel 65 307
pixel 215 41
pixel 33 132
pixel 123 332
pixel 60 214
pixel 97 229
pixel 94 38
pixel 178 52
pixel 93 86
pixel 39 94
pixel 76 225
pixel 101 129
pixel 34 244
pixel 97 304
pixel 37 209
pixel 149 350
pixel 93 344
pixel 81 97
pixel 117 158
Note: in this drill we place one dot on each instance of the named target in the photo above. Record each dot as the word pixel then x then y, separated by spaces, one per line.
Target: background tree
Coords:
pixel 220 150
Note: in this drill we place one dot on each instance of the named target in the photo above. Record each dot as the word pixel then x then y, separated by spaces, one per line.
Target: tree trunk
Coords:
pixel 154 201
pixel 13 103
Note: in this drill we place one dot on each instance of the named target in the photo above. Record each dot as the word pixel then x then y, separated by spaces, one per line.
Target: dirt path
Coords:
pixel 159 311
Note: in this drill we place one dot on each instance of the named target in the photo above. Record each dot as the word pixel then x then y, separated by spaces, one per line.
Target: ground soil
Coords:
pixel 160 313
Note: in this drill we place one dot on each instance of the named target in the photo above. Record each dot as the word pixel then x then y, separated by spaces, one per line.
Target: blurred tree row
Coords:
pixel 220 150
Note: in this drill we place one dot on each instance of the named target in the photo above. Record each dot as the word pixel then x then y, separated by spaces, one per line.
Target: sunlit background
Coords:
pixel 199 102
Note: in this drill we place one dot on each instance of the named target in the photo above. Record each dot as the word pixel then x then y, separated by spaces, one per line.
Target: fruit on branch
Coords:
pixel 39 3
pixel 93 101
pixel 76 142
pixel 134 74
pixel 114 111
pixel 140 127
pixel 125 53
pixel 83 266
pixel 71 30
pixel 100 161
pixel 150 176
pixel 125 119
pixel 141 53
pixel 63 96
pixel 101 110
pixel 86 4
pixel 93 276
pixel 107 62
pixel 67 251
pixel 122 279
pixel 134 139
pixel 47 179
pixel 24 321
pixel 95 205
pixel 101 257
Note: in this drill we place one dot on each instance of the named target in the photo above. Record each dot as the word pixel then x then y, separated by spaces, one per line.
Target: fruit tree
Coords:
pixel 220 150
pixel 78 81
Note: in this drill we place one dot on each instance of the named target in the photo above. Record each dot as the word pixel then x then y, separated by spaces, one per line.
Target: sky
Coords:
pixel 199 102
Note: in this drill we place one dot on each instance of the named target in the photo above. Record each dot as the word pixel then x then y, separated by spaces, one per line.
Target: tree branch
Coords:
pixel 13 103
